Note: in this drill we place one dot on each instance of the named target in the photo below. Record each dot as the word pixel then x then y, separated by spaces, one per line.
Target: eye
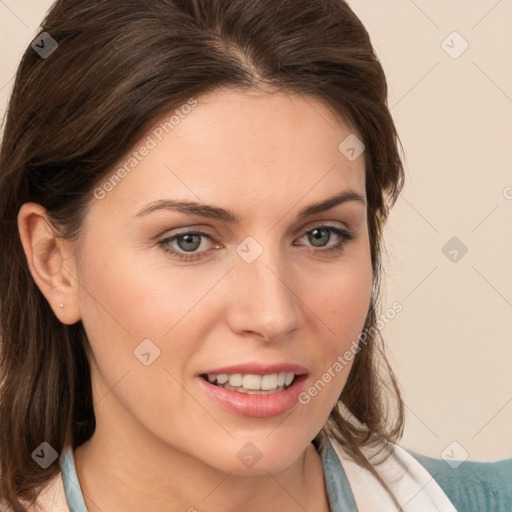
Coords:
pixel 188 241
pixel 184 246
pixel 320 236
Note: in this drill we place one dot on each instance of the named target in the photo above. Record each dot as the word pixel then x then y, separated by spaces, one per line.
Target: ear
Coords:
pixel 51 262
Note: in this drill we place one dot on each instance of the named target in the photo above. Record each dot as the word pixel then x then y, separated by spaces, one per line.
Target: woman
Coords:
pixel 193 194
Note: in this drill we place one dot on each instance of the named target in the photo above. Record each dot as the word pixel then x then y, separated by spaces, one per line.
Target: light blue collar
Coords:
pixel 339 494
pixel 72 488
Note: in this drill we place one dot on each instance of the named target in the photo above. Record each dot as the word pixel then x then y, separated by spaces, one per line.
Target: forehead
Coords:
pixel 254 120
pixel 239 149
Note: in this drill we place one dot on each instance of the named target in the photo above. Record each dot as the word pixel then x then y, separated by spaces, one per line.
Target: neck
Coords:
pixel 117 474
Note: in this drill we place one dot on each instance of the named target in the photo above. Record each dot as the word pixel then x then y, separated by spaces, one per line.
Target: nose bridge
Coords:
pixel 265 302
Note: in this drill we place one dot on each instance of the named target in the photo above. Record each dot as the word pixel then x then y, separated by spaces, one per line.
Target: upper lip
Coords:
pixel 254 368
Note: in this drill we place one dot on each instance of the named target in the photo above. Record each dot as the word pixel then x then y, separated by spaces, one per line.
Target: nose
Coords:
pixel 263 300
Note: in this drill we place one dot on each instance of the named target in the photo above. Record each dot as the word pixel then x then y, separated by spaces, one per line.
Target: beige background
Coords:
pixel 451 346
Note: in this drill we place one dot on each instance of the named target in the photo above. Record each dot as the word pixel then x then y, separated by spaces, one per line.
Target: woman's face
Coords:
pixel 274 292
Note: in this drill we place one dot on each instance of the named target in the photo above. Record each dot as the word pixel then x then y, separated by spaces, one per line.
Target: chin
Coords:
pixel 247 458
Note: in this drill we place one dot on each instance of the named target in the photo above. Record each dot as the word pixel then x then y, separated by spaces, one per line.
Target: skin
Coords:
pixel 161 443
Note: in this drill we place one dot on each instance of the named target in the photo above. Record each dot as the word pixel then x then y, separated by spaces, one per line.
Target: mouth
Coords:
pixel 245 394
pixel 252 384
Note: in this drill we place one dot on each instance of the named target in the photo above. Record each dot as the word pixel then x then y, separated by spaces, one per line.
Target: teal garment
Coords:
pixel 473 486
pixel 339 493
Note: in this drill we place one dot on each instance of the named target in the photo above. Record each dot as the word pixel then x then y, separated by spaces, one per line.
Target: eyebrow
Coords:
pixel 228 216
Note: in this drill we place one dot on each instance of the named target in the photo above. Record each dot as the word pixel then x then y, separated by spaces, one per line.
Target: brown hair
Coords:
pixel 120 66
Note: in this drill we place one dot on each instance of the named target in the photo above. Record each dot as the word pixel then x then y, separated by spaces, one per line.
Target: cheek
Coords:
pixel 137 295
pixel 135 312
pixel 133 300
pixel 344 298
pixel 342 305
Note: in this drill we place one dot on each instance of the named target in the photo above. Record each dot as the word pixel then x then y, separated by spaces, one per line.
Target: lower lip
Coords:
pixel 256 406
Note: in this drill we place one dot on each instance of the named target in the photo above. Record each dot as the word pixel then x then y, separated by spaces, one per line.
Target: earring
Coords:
pixel 61 305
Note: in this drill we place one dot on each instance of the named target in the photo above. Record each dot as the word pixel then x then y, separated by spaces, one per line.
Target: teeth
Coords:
pixel 250 381
pixel 236 379
pixel 269 381
pixel 253 382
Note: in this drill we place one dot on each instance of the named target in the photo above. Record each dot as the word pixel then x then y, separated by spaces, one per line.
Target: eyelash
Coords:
pixel 345 237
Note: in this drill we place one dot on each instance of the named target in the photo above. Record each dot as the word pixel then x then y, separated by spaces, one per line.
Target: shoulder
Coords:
pixel 472 486
pixel 469 487
pixel 51 498
pixel 396 479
